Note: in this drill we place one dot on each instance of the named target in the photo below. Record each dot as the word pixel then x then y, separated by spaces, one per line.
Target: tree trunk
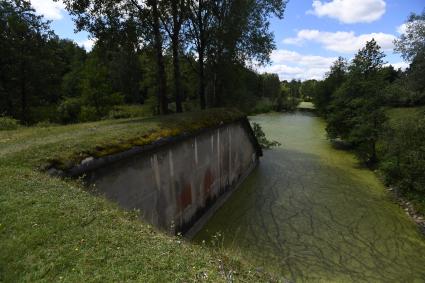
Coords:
pixel 176 59
pixel 201 80
pixel 201 54
pixel 24 100
pixel 373 158
pixel 161 77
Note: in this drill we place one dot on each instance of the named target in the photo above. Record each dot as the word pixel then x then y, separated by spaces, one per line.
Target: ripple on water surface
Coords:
pixel 310 213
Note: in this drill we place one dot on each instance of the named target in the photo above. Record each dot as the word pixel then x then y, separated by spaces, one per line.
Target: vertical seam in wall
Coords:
pixel 196 152
pixel 156 172
pixel 230 155
pixel 218 158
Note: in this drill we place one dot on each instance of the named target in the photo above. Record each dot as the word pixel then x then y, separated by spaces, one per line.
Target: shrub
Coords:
pixel 129 111
pixel 69 110
pixel 88 114
pixel 262 106
pixel 43 113
pixel 261 137
pixel 7 123
pixel 403 160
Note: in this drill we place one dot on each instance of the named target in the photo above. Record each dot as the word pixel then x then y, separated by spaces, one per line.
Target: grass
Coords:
pixel 51 229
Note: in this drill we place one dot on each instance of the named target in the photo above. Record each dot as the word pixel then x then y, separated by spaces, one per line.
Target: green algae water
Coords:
pixel 310 213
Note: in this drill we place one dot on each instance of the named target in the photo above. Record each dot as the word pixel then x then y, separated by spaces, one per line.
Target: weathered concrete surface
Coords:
pixel 175 184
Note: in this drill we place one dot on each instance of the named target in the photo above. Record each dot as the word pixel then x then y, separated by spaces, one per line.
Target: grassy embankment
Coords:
pixel 51 229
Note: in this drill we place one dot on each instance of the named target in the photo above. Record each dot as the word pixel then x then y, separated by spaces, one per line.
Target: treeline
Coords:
pixel 170 56
pixel 356 99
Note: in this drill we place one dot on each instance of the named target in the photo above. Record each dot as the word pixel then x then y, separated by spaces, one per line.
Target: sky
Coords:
pixel 311 36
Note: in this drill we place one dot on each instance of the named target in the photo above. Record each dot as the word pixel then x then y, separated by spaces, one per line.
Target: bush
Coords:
pixel 129 111
pixel 7 123
pixel 89 114
pixel 69 110
pixel 261 137
pixel 43 113
pixel 403 155
pixel 263 105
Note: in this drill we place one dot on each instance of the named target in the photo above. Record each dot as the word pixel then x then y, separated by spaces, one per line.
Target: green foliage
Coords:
pixel 412 42
pixel 131 111
pixel 32 64
pixel 55 80
pixel 97 93
pixel 308 90
pixel 69 110
pixel 403 154
pixel 263 106
pixel 411 45
pixel 324 89
pixel 7 123
pixel 356 111
pixel 261 137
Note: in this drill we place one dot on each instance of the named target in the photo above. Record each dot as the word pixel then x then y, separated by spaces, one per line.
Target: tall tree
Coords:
pixel 98 16
pixel 28 59
pixel 412 40
pixel 174 13
pixel 411 45
pixel 356 113
pixel 199 32
pixel 333 80
pixel 227 33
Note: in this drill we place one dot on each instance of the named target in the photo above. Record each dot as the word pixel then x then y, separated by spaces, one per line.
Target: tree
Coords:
pixel 356 114
pixel 308 89
pixel 174 13
pixel 30 67
pixel 97 17
pixel 411 46
pixel 333 80
pixel 97 94
pixel 228 34
pixel 199 32
pixel 412 42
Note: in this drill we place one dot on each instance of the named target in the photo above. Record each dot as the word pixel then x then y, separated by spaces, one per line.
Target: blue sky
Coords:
pixel 311 36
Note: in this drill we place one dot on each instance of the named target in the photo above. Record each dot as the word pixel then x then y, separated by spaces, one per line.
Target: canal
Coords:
pixel 309 212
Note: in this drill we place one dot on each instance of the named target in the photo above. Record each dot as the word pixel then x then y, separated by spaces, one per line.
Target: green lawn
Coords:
pixel 51 229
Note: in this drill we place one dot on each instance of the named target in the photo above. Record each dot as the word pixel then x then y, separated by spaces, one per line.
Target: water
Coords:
pixel 310 213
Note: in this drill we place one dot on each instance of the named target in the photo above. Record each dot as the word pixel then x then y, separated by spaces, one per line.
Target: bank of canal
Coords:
pixel 310 213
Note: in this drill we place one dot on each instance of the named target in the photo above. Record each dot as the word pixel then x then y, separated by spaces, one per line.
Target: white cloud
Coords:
pixel 342 41
pixel 399 65
pixel 50 9
pixel 87 44
pixel 350 11
pixel 293 65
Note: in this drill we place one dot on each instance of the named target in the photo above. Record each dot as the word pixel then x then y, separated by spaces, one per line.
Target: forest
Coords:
pixel 154 58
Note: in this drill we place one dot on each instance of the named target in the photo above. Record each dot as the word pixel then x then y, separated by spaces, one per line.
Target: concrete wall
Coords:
pixel 176 184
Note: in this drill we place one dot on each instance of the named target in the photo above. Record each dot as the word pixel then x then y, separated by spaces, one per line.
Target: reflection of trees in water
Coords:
pixel 314 222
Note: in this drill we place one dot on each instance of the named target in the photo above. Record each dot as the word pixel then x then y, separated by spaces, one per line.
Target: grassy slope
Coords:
pixel 53 230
